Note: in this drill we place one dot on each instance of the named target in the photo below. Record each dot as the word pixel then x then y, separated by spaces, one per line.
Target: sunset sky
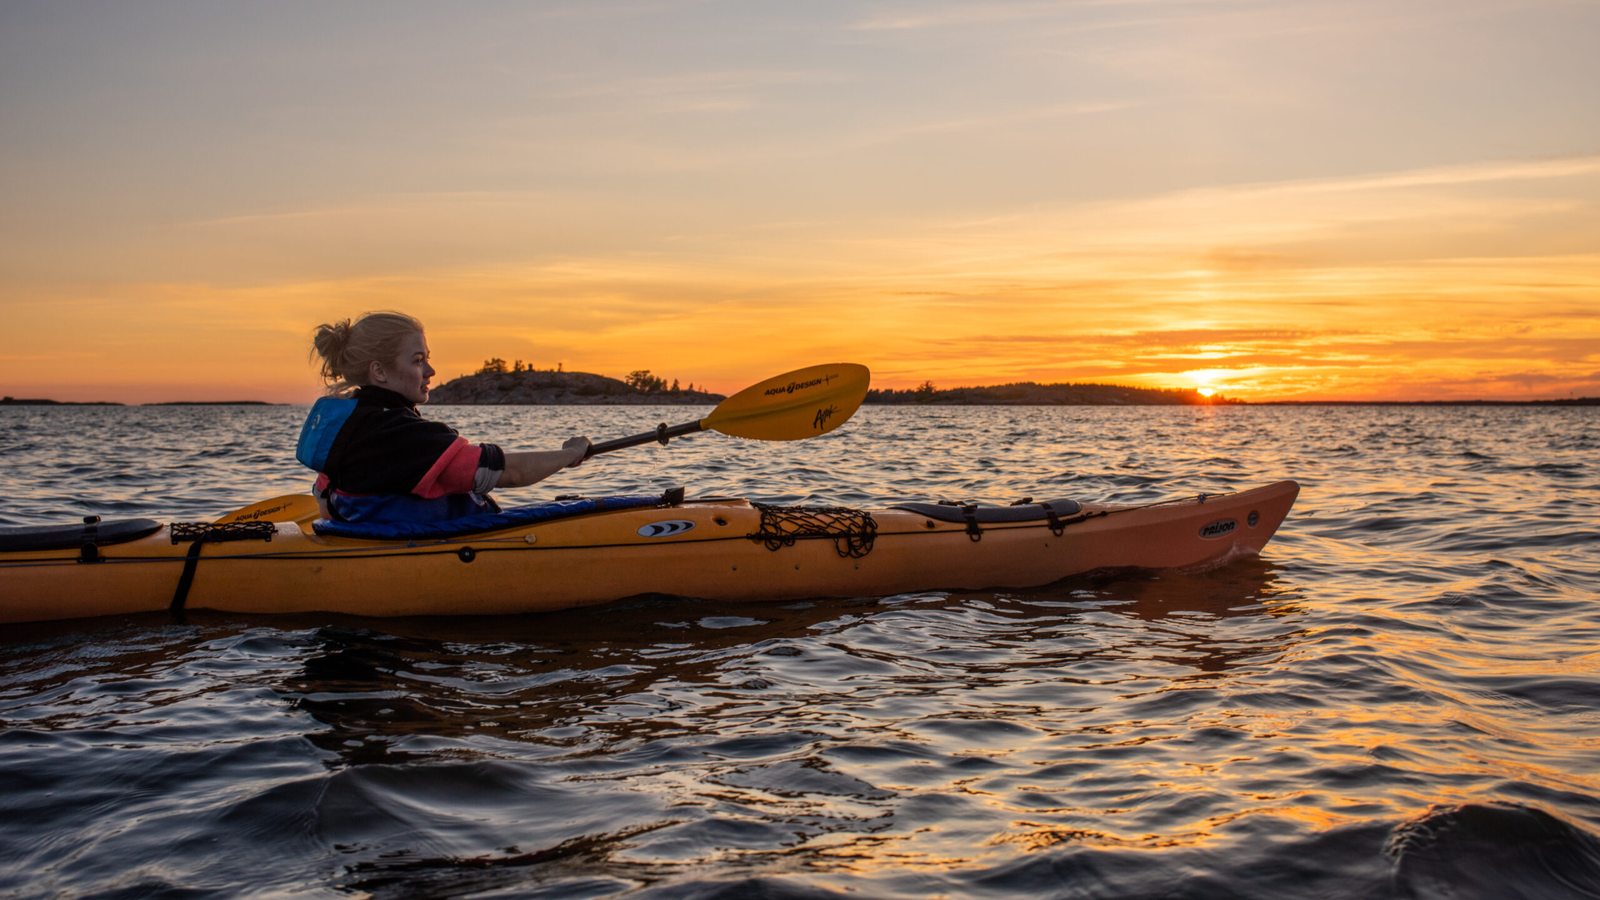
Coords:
pixel 1347 199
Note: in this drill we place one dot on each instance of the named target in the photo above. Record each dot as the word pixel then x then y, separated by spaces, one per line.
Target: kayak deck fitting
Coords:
pixel 583 551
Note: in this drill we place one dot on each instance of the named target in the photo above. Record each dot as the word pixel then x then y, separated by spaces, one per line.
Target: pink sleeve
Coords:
pixel 452 472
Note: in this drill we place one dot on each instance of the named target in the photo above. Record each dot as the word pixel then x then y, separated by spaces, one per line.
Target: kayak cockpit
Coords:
pixel 512 517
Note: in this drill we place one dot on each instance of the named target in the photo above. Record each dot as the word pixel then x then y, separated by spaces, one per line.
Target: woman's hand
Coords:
pixel 580 447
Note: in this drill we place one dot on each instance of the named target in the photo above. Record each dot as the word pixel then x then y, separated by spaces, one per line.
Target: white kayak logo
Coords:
pixel 1219 528
pixel 662 529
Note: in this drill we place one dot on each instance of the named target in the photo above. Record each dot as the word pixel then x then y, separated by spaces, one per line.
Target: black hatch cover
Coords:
pixel 19 538
pixel 1025 512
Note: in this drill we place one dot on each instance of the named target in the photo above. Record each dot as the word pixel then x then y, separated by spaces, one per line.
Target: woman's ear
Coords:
pixel 375 373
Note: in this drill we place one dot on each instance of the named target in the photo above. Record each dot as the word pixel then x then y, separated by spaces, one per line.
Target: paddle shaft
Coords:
pixel 663 433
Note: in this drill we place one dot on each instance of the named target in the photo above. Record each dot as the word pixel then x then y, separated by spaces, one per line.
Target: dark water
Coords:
pixel 1400 698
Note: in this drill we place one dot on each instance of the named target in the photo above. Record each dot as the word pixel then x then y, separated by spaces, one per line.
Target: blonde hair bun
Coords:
pixel 347 349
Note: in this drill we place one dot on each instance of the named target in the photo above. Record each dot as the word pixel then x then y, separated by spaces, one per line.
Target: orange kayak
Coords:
pixel 595 551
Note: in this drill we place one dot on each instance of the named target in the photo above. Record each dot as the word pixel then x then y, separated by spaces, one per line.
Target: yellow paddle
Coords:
pixel 288 508
pixel 789 407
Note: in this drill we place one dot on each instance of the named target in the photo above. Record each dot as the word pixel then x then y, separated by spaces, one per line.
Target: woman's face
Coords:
pixel 408 374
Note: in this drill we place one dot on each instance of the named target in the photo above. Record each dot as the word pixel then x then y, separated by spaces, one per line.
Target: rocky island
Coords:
pixel 498 383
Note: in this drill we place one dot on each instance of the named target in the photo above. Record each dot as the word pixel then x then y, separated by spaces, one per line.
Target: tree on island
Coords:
pixel 642 380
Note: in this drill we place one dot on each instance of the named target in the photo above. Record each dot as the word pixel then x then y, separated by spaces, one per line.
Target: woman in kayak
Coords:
pixel 377 459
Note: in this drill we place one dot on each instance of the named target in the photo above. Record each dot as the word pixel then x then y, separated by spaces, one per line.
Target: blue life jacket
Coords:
pixel 327 416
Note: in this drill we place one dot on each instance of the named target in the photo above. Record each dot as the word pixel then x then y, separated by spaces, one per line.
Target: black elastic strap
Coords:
pixel 970 513
pixel 1084 518
pixel 89 543
pixel 186 579
pixel 1056 525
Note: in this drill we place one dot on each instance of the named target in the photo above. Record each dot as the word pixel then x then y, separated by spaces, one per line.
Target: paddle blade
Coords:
pixel 288 508
pixel 795 405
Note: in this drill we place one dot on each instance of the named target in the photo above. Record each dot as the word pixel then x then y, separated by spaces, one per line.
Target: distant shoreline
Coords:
pixel 14 401
pixel 1571 401
pixel 1033 394
pixel 585 389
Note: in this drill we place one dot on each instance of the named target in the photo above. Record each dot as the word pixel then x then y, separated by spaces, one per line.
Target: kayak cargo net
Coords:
pixel 221 533
pixel 852 530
